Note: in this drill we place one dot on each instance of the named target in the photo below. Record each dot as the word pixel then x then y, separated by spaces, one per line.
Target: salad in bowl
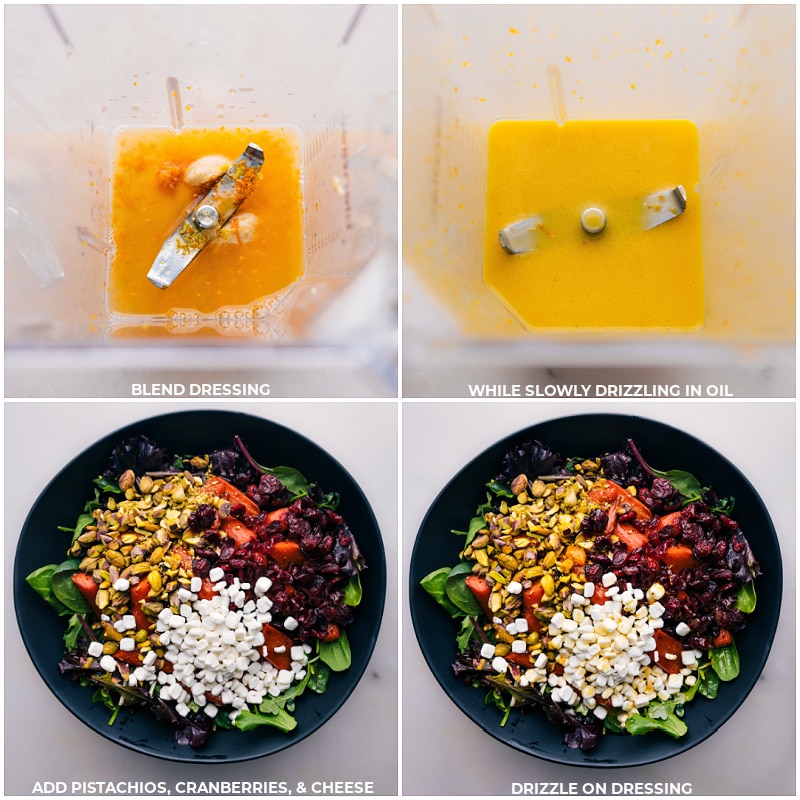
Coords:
pixel 204 590
pixel 595 591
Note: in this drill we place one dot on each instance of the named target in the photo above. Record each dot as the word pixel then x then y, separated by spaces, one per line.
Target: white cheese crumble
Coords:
pixel 215 648
pixel 608 652
pixel 487 650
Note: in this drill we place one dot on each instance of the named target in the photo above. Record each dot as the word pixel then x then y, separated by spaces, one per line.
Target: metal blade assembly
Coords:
pixel 206 217
pixel 664 206
pixel 656 209
pixel 521 236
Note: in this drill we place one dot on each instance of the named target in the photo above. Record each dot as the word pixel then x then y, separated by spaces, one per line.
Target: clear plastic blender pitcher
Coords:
pixel 76 74
pixel 728 69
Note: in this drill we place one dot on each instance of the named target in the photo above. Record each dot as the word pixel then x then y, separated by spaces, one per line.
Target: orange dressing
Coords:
pixel 149 198
pixel 623 277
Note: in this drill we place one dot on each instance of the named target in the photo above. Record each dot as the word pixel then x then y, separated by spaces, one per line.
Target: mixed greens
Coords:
pixel 600 590
pixel 207 589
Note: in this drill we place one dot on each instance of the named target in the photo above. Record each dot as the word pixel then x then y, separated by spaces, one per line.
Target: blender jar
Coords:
pixel 328 74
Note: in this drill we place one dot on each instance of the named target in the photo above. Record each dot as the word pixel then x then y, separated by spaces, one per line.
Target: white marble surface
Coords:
pixel 44 742
pixel 444 753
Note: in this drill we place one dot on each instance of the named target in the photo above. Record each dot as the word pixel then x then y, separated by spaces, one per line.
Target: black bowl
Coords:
pixel 591 435
pixel 62 501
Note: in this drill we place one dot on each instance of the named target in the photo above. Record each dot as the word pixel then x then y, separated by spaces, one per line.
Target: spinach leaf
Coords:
pixel 352 591
pixel 293 480
pixel 746 597
pixel 687 485
pixel 40 580
pixel 611 723
pixel 276 717
pixel 73 632
pixel 331 500
pixel 434 585
pixel 664 716
pixel 668 722
pixel 336 654
pixel 497 698
pixel 708 684
pixel 459 594
pixel 275 712
pixel 65 589
pixel 80 525
pixel 722 505
pixel 108 486
pixel 113 704
pixel 318 675
pixel 464 636
pixel 83 520
pixel 499 489
pixel 725 661
pixel 476 524
pixel 287 697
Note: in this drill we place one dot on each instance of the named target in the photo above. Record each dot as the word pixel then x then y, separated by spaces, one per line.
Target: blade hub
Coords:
pixel 206 217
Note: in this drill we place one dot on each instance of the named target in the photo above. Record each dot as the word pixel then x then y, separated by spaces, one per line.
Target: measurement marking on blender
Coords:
pixel 174 100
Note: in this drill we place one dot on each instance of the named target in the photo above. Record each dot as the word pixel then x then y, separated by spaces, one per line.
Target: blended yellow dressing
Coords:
pixel 623 277
pixel 150 197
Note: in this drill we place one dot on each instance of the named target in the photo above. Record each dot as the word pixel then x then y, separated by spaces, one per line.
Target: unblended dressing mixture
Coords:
pixel 155 181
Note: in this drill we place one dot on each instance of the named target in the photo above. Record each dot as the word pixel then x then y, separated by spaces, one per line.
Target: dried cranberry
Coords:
pixel 664 495
pixel 298 526
pixel 203 518
pixel 269 484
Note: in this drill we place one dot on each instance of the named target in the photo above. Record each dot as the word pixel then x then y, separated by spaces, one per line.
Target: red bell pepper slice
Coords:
pixel 332 633
pixel 227 491
pixel 679 557
pixel 481 589
pixel 207 590
pixel 238 531
pixel 607 492
pixel 630 536
pixel 275 640
pixel 132 657
pixel 277 521
pixel 520 659
pixel 88 588
pixel 287 552
pixel 531 599
pixel 139 594
pixel 669 651
pixel 600 595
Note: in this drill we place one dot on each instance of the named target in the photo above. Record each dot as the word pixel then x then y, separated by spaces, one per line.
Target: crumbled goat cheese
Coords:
pixel 215 648
pixel 607 652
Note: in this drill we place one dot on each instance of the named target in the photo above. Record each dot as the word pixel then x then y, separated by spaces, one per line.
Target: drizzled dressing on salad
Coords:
pixel 600 590
pixel 208 590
